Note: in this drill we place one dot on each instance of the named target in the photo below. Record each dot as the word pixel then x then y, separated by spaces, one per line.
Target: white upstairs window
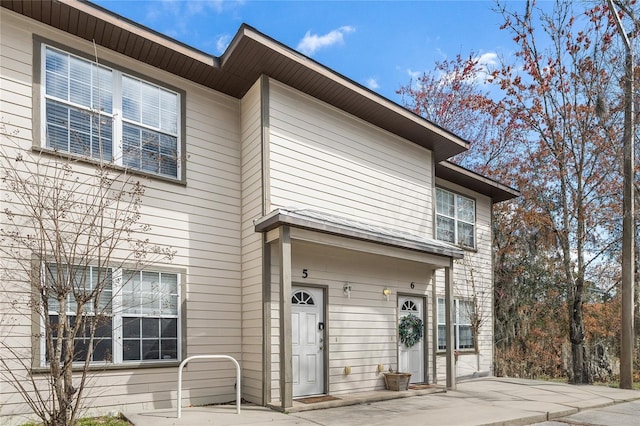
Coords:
pixel 455 218
pixel 102 113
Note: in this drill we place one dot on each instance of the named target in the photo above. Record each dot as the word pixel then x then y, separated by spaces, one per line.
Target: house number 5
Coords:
pixel 305 273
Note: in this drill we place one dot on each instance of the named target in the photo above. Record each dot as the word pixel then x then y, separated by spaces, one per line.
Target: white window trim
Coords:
pixel 455 218
pixel 116 315
pixel 116 114
pixel 456 325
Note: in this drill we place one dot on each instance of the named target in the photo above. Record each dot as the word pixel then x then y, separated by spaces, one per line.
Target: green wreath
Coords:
pixel 411 328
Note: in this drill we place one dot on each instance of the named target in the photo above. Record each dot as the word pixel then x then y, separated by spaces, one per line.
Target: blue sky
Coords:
pixel 378 44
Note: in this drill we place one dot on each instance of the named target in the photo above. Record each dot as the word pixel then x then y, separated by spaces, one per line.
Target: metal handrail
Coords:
pixel 186 360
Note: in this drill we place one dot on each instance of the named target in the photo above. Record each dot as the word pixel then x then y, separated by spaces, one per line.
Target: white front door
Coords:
pixel 411 360
pixel 307 335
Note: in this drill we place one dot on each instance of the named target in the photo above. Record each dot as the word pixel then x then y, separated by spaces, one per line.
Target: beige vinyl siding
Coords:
pixel 361 331
pixel 324 159
pixel 200 220
pixel 15 128
pixel 252 317
pixel 476 266
pixel 16 65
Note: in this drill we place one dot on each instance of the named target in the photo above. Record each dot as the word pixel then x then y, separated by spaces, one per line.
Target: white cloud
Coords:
pixel 486 62
pixel 196 7
pixel 183 12
pixel 372 83
pixel 222 42
pixel 414 75
pixel 489 58
pixel 310 43
pixel 202 6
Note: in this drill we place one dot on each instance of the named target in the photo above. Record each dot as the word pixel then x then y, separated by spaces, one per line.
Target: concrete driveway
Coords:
pixel 624 414
pixel 486 401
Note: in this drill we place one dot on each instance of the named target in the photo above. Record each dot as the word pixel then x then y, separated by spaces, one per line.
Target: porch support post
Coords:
pixel 266 321
pixel 434 327
pixel 449 321
pixel 286 368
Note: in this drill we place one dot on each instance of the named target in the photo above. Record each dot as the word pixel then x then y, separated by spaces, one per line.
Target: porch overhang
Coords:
pixel 282 226
pixel 325 223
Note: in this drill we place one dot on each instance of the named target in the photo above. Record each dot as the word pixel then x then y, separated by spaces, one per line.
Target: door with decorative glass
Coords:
pixel 307 345
pixel 411 358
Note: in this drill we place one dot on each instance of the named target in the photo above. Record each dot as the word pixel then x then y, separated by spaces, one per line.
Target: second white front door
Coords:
pixel 307 341
pixel 411 360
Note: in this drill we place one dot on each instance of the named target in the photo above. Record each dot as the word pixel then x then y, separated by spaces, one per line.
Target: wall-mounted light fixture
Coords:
pixel 386 292
pixel 346 289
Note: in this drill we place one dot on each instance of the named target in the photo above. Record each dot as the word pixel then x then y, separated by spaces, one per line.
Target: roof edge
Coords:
pixel 136 28
pixel 485 185
pixel 247 30
pixel 442 142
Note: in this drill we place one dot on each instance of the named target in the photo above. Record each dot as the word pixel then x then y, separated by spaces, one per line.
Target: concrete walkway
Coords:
pixel 487 401
pixel 624 414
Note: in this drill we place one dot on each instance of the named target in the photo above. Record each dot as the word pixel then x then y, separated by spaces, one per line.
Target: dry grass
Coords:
pixel 96 421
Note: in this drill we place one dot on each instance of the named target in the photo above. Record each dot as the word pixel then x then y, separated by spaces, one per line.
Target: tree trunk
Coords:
pixel 579 373
pixel 575 282
pixel 636 280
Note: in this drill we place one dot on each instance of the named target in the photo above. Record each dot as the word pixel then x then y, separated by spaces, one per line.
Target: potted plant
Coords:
pixel 396 381
pixel 410 331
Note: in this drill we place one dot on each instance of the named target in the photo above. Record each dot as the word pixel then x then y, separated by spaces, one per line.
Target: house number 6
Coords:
pixel 305 274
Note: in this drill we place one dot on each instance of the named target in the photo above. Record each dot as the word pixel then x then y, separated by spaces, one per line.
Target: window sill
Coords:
pixel 114 367
pixel 460 246
pixel 443 352
pixel 88 160
pixel 469 249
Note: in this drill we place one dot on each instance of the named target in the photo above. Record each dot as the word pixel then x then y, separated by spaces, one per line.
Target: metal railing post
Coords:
pixel 186 360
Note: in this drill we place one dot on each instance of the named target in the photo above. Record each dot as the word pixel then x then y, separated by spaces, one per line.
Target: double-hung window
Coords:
pixel 105 114
pixel 138 314
pixel 462 329
pixel 455 218
pixel 81 282
pixel 149 316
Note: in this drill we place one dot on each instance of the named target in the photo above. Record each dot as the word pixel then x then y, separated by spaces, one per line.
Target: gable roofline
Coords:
pixel 250 55
pixel 135 28
pixel 454 173
pixel 315 79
